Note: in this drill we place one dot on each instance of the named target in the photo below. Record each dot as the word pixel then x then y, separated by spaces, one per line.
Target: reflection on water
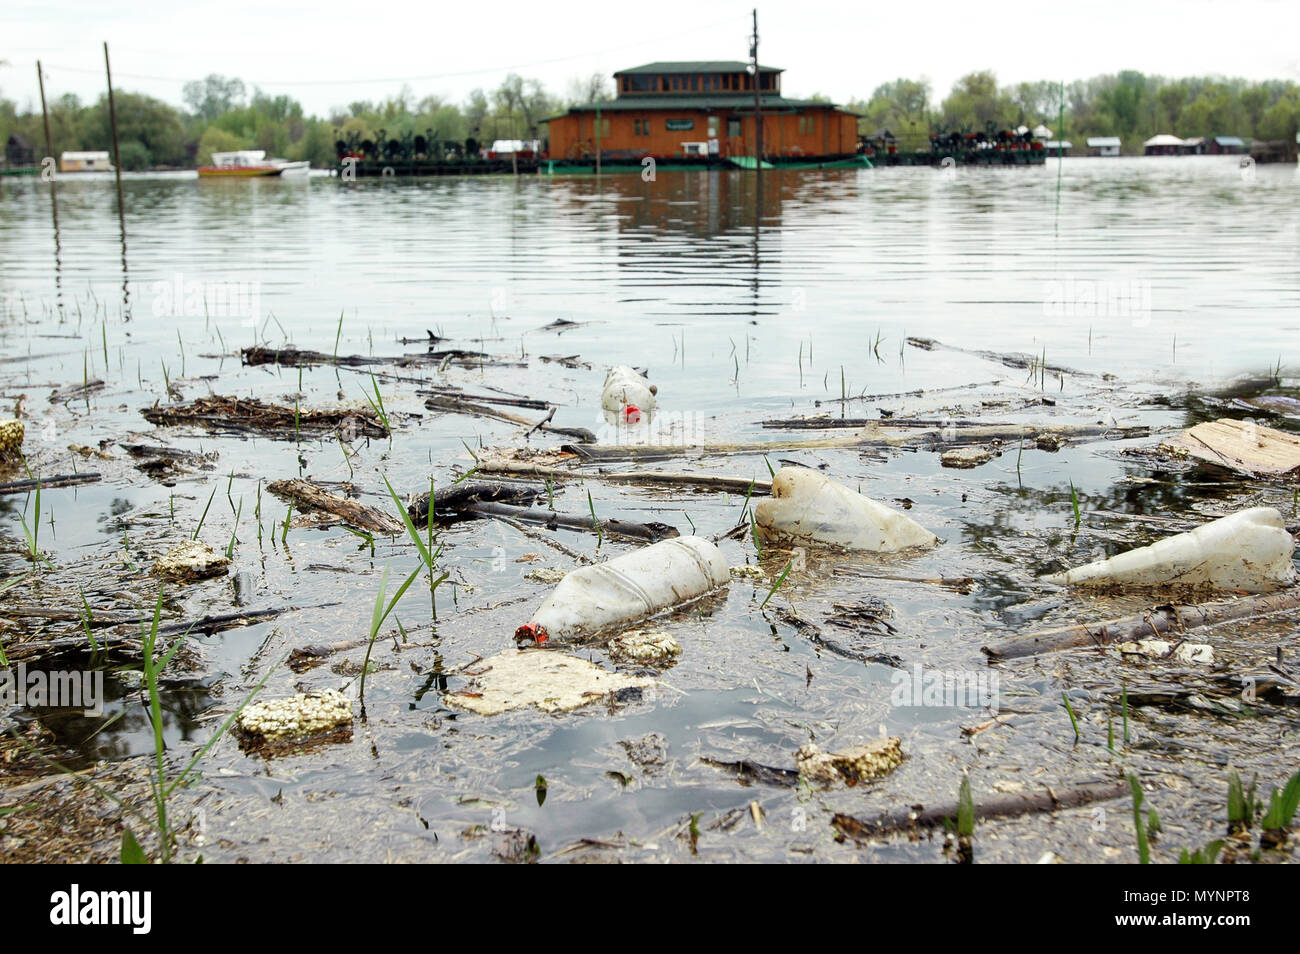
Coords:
pixel 838 252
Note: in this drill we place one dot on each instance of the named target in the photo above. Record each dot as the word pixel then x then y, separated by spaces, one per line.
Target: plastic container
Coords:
pixel 629 588
pixel 1249 550
pixel 809 507
pixel 625 387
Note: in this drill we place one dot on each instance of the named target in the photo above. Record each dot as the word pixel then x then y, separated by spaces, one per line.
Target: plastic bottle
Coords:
pixel 1249 550
pixel 628 588
pixel 626 387
pixel 809 507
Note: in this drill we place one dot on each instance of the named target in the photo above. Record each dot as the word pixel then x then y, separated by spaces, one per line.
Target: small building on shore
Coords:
pixel 85 162
pixel 700 109
pixel 19 153
pixel 1057 147
pixel 1163 145
pixel 1107 146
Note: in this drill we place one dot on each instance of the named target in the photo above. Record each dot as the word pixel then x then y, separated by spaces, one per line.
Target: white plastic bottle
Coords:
pixel 1249 550
pixel 625 387
pixel 629 588
pixel 809 507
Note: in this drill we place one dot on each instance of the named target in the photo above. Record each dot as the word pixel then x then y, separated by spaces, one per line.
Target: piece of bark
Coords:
pixel 307 496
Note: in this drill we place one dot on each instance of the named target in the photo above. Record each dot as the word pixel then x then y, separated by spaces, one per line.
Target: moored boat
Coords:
pixel 250 162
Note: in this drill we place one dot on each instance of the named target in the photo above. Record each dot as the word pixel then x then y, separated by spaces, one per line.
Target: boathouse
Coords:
pixel 704 110
pixel 1103 146
pixel 85 162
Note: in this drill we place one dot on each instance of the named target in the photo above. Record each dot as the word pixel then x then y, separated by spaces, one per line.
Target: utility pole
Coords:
pixel 758 106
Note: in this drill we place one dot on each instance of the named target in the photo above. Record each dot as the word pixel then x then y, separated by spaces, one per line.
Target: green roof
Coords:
pixel 698 66
pixel 736 103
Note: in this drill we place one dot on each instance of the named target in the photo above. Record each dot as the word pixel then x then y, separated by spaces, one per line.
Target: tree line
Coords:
pixel 1129 104
pixel 220 114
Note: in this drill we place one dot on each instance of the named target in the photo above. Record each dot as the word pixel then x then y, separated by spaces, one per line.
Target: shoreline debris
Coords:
pixel 644 646
pixel 251 416
pixel 309 496
pixel 1019 803
pixel 810 507
pixel 1155 622
pixel 12 432
pixel 629 588
pixel 627 391
pixel 1240 446
pixel 47 483
pixel 191 561
pixel 1248 551
pixel 861 763
pixel 540 678
pixel 301 719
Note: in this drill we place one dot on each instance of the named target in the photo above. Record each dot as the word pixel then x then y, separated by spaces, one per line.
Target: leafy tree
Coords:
pixel 211 97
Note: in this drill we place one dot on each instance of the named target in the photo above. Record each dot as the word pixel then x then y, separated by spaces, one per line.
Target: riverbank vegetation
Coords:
pixel 220 113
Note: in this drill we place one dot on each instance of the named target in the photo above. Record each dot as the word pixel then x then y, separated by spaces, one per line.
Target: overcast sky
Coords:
pixel 330 52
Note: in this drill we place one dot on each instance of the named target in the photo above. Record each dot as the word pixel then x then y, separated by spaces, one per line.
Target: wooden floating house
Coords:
pixel 700 115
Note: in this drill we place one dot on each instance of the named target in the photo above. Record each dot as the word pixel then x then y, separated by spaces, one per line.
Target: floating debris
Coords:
pixel 1249 550
pixel 1241 446
pixel 965 458
pixel 251 416
pixel 810 507
pixel 1160 649
pixel 858 764
pixel 300 719
pixel 191 561
pixel 626 390
pixel 644 646
pixel 546 574
pixel 749 572
pixel 634 586
pixel 11 438
pixel 549 681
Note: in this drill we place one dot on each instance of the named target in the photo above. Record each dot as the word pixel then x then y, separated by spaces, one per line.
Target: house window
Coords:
pixel 695 83
pixel 640 127
pixel 637 83
pixel 807 125
pixel 733 128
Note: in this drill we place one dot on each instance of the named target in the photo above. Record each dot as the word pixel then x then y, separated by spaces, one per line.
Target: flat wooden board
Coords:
pixel 1241 446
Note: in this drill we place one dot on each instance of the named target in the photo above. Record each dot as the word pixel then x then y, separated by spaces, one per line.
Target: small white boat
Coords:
pixel 251 162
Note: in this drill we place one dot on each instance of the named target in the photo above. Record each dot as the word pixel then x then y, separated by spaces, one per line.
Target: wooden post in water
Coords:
pixel 758 103
pixel 117 152
pixel 45 115
pixel 117 172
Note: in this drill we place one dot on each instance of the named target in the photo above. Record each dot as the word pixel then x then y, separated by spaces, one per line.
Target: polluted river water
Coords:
pixel 1128 299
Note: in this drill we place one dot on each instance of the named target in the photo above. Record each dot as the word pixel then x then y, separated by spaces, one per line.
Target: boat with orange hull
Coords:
pixel 248 163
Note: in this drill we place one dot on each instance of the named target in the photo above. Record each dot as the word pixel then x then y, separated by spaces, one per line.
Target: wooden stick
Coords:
pixel 707 481
pixel 650 532
pixel 931 438
pixel 1005 806
pixel 1155 622
pixel 308 496
pixel 447 403
pixel 58 480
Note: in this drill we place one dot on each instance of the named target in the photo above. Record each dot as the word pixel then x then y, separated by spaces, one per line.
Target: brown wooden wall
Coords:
pixel 818 131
